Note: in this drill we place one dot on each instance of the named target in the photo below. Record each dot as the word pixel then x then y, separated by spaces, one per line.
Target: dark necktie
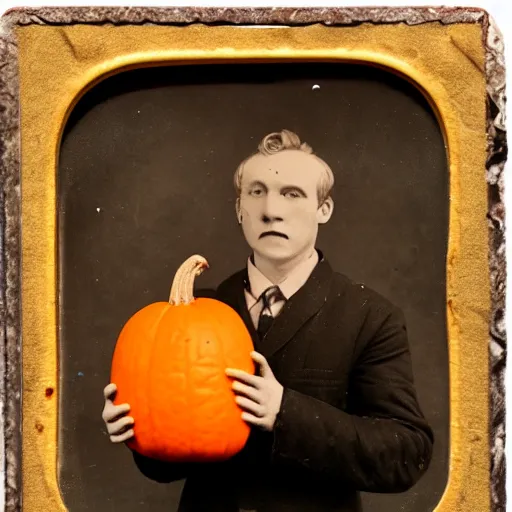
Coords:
pixel 269 297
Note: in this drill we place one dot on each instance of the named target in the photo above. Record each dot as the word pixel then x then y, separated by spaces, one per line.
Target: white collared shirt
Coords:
pixel 258 283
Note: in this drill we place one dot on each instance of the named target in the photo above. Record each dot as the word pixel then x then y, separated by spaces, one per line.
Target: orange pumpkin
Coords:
pixel 169 364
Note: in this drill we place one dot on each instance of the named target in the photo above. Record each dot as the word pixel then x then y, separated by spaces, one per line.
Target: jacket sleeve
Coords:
pixel 381 441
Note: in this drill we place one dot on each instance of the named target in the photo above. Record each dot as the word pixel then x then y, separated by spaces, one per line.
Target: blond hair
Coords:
pixel 282 141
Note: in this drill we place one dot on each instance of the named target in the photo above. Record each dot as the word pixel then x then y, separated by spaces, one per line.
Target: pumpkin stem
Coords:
pixel 182 290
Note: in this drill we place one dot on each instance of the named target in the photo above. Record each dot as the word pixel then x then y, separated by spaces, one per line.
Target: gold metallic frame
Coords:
pixel 50 57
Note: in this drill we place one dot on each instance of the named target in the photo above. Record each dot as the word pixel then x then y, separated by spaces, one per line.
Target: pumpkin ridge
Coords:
pixel 218 328
pixel 188 391
pixel 200 401
pixel 199 380
pixel 153 333
pixel 180 335
pixel 151 383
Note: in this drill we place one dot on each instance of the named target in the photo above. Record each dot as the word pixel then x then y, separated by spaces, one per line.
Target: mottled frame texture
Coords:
pixel 10 250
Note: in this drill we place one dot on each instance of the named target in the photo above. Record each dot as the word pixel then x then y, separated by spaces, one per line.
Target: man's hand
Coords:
pixel 118 424
pixel 258 395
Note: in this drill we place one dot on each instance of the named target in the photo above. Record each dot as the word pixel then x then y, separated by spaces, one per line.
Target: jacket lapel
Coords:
pixel 244 312
pixel 299 308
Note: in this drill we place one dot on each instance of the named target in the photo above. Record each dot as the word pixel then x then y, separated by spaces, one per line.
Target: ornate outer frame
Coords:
pixel 485 458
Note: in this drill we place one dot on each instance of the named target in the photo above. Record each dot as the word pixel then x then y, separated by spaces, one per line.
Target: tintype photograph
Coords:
pixel 267 279
pixel 318 195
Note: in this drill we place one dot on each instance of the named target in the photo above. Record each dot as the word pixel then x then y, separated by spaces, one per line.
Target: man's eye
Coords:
pixel 293 194
pixel 256 192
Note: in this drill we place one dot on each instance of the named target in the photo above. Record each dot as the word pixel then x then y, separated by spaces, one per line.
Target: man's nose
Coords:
pixel 267 219
pixel 272 210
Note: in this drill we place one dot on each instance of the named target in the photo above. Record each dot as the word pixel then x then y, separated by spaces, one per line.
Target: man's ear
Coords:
pixel 238 211
pixel 325 210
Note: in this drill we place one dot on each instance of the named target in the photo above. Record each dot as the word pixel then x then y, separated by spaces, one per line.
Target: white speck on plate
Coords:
pixel 316 86
pixel 98 210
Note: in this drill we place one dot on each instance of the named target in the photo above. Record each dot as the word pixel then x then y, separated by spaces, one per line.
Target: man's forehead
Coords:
pixel 289 163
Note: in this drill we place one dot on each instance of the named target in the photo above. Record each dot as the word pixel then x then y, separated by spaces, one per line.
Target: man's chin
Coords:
pixel 275 254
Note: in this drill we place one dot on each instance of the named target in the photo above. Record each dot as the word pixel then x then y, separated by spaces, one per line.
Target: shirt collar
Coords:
pixel 258 283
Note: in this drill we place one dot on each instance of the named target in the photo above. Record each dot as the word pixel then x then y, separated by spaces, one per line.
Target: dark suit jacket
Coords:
pixel 349 419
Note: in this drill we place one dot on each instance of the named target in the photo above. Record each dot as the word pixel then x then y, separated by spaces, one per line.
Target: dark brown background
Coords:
pixel 155 150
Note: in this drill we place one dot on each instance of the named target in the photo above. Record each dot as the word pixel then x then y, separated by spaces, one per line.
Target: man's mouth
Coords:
pixel 273 233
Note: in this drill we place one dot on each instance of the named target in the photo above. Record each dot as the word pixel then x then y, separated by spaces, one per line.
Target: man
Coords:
pixel 332 406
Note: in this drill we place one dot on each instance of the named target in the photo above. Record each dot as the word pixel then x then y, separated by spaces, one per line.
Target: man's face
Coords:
pixel 278 205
